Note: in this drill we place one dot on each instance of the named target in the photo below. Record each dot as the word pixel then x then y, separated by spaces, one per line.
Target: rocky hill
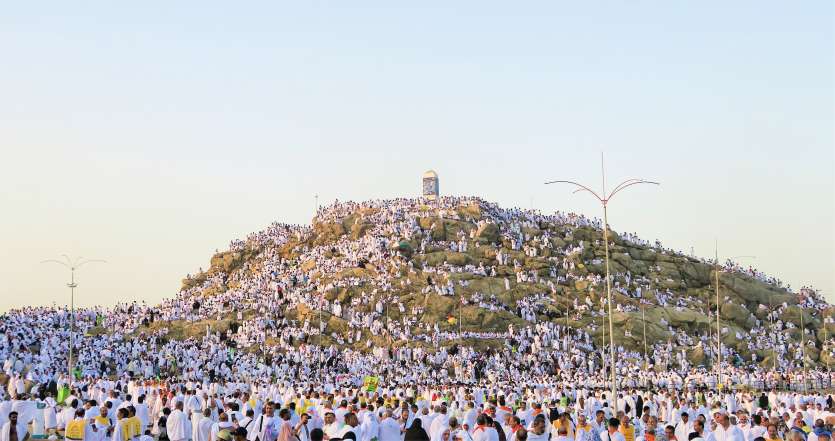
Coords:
pixel 403 272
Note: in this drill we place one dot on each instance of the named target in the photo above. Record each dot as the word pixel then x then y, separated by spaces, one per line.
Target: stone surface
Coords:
pixel 743 300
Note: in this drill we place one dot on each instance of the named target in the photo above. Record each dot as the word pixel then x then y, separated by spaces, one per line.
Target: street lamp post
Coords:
pixel 707 314
pixel 72 265
pixel 773 334
pixel 604 199
pixel 603 337
pixel 718 330
pixel 644 320
pixel 825 341
pixel 567 335
pixel 603 354
pixel 461 316
pixel 803 350
pixel 824 349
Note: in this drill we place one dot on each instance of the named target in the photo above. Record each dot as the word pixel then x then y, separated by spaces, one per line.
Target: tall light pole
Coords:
pixel 604 199
pixel 803 349
pixel 603 325
pixel 825 341
pixel 707 314
pixel 718 329
pixel 567 336
pixel 72 265
pixel 644 320
pixel 461 315
pixel 773 334
pixel 603 343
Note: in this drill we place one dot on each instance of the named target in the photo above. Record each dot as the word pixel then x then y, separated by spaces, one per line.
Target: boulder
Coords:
pixel 438 230
pixel 480 319
pixel 642 254
pixel 696 274
pixel 792 314
pixel 825 334
pixel 696 356
pixel 470 211
pixel 655 332
pixel 557 242
pixel 813 354
pixel 827 358
pixel 425 222
pixel 623 259
pixel 308 265
pixel 738 315
pixel 761 312
pixel 457 259
pixel 226 261
pixel 437 308
pixel 589 235
pixel 488 233
pixel 327 232
pixel 684 317
pixel 751 291
pixel 193 281
pixel 669 270
pixel 359 229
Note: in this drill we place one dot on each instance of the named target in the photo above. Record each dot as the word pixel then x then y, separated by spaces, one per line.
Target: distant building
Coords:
pixel 431 189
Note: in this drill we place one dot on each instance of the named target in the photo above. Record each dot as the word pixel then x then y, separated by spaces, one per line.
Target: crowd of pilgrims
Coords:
pixel 125 409
pixel 264 346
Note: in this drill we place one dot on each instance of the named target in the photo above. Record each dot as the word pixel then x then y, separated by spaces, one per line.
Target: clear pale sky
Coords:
pixel 151 133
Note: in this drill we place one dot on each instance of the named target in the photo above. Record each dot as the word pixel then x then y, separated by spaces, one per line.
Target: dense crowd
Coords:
pixel 273 362
pixel 342 408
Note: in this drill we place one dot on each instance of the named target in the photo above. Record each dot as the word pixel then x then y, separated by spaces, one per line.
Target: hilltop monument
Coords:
pixel 430 185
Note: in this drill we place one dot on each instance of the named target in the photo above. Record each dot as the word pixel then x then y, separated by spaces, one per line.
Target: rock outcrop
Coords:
pixel 554 263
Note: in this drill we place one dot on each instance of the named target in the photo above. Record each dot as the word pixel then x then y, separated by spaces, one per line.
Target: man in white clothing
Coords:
pixel 178 425
pixel 684 427
pixel 332 428
pixel 480 432
pixel 261 425
pixel 389 428
pixel 612 433
pixel 143 413
pixel 439 424
pixel 67 414
pixel 725 431
pixel 12 431
pixel 203 428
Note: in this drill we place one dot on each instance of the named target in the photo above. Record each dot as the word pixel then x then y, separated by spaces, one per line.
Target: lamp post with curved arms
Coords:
pixel 604 199
pixel 718 328
pixel 644 321
pixel 72 265
pixel 803 351
pixel 773 334
pixel 603 326
pixel 825 342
